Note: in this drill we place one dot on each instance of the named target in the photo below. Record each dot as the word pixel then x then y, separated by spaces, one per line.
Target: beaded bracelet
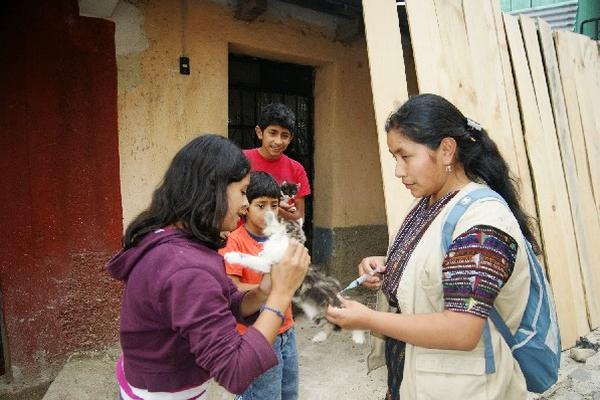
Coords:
pixel 273 310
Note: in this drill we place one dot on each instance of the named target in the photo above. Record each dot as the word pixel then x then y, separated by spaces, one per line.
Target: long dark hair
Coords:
pixel 429 118
pixel 193 191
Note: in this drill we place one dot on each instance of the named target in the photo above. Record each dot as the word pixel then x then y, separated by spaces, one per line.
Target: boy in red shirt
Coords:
pixel 281 381
pixel 275 131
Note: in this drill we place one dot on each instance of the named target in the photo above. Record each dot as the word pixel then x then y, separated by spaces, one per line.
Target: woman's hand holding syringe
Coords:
pixel 369 270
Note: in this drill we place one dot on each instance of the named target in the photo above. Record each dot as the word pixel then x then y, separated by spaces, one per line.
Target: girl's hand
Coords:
pixel 367 265
pixel 265 285
pixel 352 315
pixel 288 274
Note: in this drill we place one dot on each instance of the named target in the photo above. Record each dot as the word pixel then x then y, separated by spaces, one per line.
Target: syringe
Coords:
pixel 359 281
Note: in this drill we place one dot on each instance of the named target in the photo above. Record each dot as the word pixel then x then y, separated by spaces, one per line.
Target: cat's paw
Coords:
pixel 319 337
pixel 248 260
pixel 233 257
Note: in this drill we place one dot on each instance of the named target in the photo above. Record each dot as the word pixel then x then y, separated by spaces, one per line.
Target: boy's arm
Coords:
pixel 243 287
pixel 299 213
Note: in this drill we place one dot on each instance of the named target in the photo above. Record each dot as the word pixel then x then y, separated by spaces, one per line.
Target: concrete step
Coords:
pixel 86 376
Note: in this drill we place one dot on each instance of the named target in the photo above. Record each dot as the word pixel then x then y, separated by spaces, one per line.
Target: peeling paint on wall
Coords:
pixel 130 37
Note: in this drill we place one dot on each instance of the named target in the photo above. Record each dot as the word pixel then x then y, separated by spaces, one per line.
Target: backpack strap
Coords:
pixel 448 229
pixel 488 350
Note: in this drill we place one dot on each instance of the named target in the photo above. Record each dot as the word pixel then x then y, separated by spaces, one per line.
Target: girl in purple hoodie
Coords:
pixel 179 308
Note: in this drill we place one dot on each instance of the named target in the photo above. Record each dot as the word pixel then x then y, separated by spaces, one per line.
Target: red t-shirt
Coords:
pixel 282 169
pixel 240 240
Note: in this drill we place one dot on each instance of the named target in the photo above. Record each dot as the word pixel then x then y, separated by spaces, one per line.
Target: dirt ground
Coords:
pixel 335 369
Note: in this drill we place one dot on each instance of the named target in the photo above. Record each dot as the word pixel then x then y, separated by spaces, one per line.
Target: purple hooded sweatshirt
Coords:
pixel 178 318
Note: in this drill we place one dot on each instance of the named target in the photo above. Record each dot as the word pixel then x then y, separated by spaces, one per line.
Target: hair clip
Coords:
pixel 472 125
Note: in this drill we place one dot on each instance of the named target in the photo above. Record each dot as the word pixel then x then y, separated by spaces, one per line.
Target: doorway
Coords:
pixel 256 82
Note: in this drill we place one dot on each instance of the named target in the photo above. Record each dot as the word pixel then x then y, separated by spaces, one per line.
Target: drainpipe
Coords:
pixel 588 10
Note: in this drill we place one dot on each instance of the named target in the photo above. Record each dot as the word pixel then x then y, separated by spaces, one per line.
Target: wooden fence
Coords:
pixel 535 91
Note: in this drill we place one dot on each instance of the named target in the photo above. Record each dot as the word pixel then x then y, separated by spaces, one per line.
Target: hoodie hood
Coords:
pixel 121 265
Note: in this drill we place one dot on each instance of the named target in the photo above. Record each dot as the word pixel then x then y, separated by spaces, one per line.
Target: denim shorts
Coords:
pixel 281 381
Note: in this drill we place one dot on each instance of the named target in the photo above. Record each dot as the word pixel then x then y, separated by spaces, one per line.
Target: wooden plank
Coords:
pixel 499 111
pixel 561 260
pixel 441 53
pixel 566 64
pixel 456 61
pixel 427 46
pixel 388 83
pixel 457 55
pixel 577 98
pixel 586 79
pixel 586 223
pixel 488 76
pixel 524 173
pixel 560 171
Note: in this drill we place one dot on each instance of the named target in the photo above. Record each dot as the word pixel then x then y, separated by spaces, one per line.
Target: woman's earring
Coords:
pixel 449 168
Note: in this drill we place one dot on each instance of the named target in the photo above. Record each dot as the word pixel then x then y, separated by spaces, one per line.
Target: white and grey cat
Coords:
pixel 316 292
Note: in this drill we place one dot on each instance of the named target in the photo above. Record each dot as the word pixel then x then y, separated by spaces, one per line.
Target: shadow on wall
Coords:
pixel 339 250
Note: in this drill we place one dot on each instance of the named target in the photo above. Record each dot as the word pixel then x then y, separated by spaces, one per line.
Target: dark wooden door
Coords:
pixel 254 83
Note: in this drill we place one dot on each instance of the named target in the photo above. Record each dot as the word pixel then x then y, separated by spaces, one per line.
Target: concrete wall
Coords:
pixel 59 167
pixel 159 109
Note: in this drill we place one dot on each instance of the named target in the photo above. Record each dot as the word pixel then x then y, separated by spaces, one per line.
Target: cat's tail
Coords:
pixel 247 260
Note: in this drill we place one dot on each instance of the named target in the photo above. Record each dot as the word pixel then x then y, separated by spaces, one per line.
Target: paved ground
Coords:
pixel 335 369
pixel 577 380
pixel 332 370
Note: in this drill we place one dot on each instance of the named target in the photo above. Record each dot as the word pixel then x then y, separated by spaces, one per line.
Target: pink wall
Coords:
pixel 60 207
